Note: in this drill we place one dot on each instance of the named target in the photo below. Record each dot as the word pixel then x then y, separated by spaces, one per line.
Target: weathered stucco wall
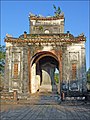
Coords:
pixel 17 54
pixel 74 53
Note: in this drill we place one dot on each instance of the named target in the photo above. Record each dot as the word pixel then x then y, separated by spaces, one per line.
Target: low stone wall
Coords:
pixel 8 97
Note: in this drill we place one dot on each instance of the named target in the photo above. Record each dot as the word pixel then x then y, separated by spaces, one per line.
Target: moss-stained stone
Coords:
pixel 47 39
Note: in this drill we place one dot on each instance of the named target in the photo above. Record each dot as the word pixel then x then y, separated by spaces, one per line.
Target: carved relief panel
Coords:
pixel 16 56
pixel 16 65
pixel 74 56
pixel 74 66
pixel 15 70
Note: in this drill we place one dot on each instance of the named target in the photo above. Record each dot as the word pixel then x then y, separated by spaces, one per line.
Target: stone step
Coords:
pixel 41 98
pixel 6 95
pixel 38 102
pixel 75 98
pixel 48 88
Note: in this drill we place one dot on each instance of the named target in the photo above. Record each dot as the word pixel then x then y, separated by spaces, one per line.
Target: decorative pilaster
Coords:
pixel 25 70
pixel 6 80
pixel 83 68
pixel 60 68
pixel 29 69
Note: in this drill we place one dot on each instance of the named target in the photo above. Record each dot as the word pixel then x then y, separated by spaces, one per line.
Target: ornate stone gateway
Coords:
pixel 32 58
pixel 45 64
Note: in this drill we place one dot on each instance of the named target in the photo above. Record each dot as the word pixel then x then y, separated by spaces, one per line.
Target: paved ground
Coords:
pixel 67 110
pixel 46 112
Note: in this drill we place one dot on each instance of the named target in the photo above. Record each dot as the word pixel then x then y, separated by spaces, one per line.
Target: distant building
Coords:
pixel 31 59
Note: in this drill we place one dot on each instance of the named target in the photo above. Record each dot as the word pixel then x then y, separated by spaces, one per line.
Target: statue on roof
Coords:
pixel 57 11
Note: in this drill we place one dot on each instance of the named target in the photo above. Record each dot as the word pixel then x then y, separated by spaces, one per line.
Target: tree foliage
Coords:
pixel 2 64
pixel 56 77
pixel 88 75
pixel 2 58
pixel 2 52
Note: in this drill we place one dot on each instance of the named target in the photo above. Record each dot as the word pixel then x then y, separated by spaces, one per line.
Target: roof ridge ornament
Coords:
pixel 8 35
pixel 82 34
pixel 31 14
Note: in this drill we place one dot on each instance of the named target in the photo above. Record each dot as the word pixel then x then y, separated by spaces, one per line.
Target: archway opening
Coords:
pixel 45 72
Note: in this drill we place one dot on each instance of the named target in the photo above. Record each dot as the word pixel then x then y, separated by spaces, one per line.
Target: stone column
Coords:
pixel 38 75
pixel 33 78
pixel 25 70
pixel 6 79
pixel 15 96
pixel 29 69
pixel 60 68
pixel 84 78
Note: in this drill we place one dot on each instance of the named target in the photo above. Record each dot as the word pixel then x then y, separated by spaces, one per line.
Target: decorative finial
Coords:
pixel 82 34
pixel 8 35
pixel 31 14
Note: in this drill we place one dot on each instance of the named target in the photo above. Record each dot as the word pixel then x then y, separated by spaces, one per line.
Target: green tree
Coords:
pixel 2 64
pixel 88 76
pixel 2 52
pixel 56 77
pixel 2 58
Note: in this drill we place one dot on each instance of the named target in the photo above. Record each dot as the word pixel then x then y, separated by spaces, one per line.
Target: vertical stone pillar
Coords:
pixel 84 78
pixel 15 96
pixel 8 68
pixel 25 71
pixel 33 78
pixel 29 70
pixel 6 79
pixel 38 75
pixel 60 68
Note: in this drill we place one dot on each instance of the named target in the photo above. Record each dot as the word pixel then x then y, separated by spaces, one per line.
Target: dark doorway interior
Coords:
pixel 46 69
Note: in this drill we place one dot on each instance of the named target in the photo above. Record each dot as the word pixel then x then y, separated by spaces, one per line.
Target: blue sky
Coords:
pixel 14 17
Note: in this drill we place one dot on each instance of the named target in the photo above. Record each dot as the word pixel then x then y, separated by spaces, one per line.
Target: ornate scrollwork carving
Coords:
pixel 74 56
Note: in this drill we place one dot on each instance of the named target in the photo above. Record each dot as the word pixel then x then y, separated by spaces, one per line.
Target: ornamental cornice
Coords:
pixel 39 38
pixel 44 40
pixel 47 18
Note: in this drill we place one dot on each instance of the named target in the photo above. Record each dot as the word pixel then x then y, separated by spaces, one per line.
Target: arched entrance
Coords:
pixel 43 69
